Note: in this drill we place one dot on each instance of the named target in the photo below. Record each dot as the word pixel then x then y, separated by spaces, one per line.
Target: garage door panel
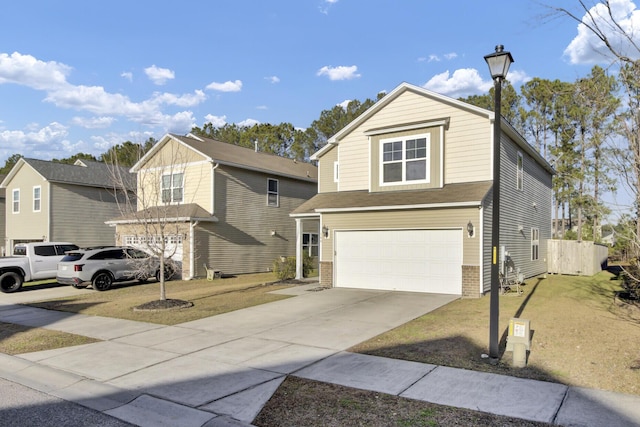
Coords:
pixel 407 260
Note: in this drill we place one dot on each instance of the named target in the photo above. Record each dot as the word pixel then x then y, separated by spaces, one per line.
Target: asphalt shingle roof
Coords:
pixel 235 155
pixel 94 174
pixel 449 194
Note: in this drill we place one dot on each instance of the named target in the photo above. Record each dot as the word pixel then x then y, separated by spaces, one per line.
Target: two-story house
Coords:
pixel 51 201
pixel 217 204
pixel 405 202
pixel 3 219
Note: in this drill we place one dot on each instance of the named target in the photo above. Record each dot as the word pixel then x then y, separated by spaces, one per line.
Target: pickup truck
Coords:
pixel 31 261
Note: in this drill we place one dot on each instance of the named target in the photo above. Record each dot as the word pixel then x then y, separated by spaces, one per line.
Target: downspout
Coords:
pixel 213 187
pixel 192 251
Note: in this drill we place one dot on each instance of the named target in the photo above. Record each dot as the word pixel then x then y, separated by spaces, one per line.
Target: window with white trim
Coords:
pixel 37 198
pixel 173 188
pixel 336 171
pixel 310 243
pixel 272 192
pixel 535 244
pixel 15 199
pixel 405 160
pixel 520 172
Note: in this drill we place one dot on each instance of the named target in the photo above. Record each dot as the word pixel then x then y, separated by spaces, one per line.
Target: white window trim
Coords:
pixel 535 243
pixel 336 171
pixel 171 188
pixel 520 172
pixel 14 200
pixel 277 193
pixel 39 199
pixel 404 181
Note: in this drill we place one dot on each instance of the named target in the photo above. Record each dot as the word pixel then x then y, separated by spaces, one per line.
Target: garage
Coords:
pixel 399 260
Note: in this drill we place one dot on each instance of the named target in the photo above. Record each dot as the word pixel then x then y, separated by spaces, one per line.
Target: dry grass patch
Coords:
pixel 18 339
pixel 582 335
pixel 301 402
pixel 209 298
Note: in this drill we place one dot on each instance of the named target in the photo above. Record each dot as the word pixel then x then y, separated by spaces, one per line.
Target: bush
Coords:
pixel 286 269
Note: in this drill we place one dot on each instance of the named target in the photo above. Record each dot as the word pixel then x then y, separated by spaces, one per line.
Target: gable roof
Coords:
pixel 237 156
pixel 86 173
pixel 405 87
pixel 171 213
pixel 451 195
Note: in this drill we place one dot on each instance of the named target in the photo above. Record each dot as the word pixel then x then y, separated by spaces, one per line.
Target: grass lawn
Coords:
pixel 208 297
pixel 582 336
pixel 18 339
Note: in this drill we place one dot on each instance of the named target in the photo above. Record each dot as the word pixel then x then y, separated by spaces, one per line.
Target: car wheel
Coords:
pixel 10 282
pixel 102 281
pixel 168 274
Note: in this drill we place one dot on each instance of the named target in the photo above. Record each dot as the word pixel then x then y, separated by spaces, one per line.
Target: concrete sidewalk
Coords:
pixel 221 370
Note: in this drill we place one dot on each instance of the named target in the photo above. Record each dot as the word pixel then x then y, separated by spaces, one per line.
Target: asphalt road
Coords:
pixel 23 406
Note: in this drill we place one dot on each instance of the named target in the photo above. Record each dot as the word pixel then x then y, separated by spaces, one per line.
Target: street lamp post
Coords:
pixel 499 63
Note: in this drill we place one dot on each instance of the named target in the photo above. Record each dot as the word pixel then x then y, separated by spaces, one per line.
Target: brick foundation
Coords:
pixel 326 274
pixel 471 281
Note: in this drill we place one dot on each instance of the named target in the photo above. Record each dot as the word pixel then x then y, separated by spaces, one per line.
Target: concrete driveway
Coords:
pixel 228 364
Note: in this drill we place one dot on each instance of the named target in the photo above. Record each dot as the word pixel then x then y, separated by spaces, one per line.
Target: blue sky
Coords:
pixel 81 76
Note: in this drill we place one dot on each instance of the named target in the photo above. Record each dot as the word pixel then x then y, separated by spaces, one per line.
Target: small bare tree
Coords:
pixel 153 218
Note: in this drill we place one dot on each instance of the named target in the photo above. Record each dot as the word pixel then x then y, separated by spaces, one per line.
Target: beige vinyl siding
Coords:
pixel 27 224
pixel 326 183
pixel 433 157
pixel 78 214
pixel 196 182
pixel 467 152
pixel 406 219
pixel 241 242
pixel 3 222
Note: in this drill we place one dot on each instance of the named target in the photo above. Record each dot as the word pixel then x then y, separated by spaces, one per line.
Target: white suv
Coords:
pixel 102 266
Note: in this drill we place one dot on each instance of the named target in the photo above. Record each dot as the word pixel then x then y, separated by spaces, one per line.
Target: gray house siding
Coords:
pixel 249 233
pixel 520 211
pixel 78 214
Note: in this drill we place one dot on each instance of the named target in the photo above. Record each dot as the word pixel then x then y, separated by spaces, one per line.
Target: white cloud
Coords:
pixel 325 5
pixel 586 48
pixel 248 122
pixel 344 104
pixel 93 122
pixel 159 76
pixel 227 86
pixel 273 79
pixel 339 73
pixel 186 100
pixel 463 82
pixel 450 56
pixel 262 107
pixel 127 75
pixel 31 72
pixel 40 142
pixel 433 58
pixel 216 121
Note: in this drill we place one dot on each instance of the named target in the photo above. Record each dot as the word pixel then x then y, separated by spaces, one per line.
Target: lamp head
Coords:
pixel 499 62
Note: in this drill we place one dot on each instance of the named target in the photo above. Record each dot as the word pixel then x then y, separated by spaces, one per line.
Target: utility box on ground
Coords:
pixel 519 333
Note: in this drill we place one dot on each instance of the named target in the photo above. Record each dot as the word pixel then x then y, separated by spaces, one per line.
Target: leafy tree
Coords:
pixel 128 153
pixel 10 163
pixel 79 156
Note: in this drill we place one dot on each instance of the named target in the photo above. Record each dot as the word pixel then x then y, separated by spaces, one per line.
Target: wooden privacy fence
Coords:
pixel 576 258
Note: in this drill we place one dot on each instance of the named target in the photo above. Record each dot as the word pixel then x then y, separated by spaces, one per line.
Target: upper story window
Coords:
pixel 405 160
pixel 173 188
pixel 520 172
pixel 273 195
pixel 15 200
pixel 37 197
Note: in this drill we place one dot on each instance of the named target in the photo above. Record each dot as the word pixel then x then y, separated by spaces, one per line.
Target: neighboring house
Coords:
pixel 405 200
pixel 217 204
pixel 3 219
pixel 50 201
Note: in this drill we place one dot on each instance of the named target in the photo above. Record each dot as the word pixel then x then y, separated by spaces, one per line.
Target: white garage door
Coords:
pixel 403 260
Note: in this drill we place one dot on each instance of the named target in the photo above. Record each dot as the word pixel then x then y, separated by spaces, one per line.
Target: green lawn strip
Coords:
pixel 18 339
pixel 582 335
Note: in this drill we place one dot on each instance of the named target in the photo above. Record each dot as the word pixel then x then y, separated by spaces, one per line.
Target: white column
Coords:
pixel 298 248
